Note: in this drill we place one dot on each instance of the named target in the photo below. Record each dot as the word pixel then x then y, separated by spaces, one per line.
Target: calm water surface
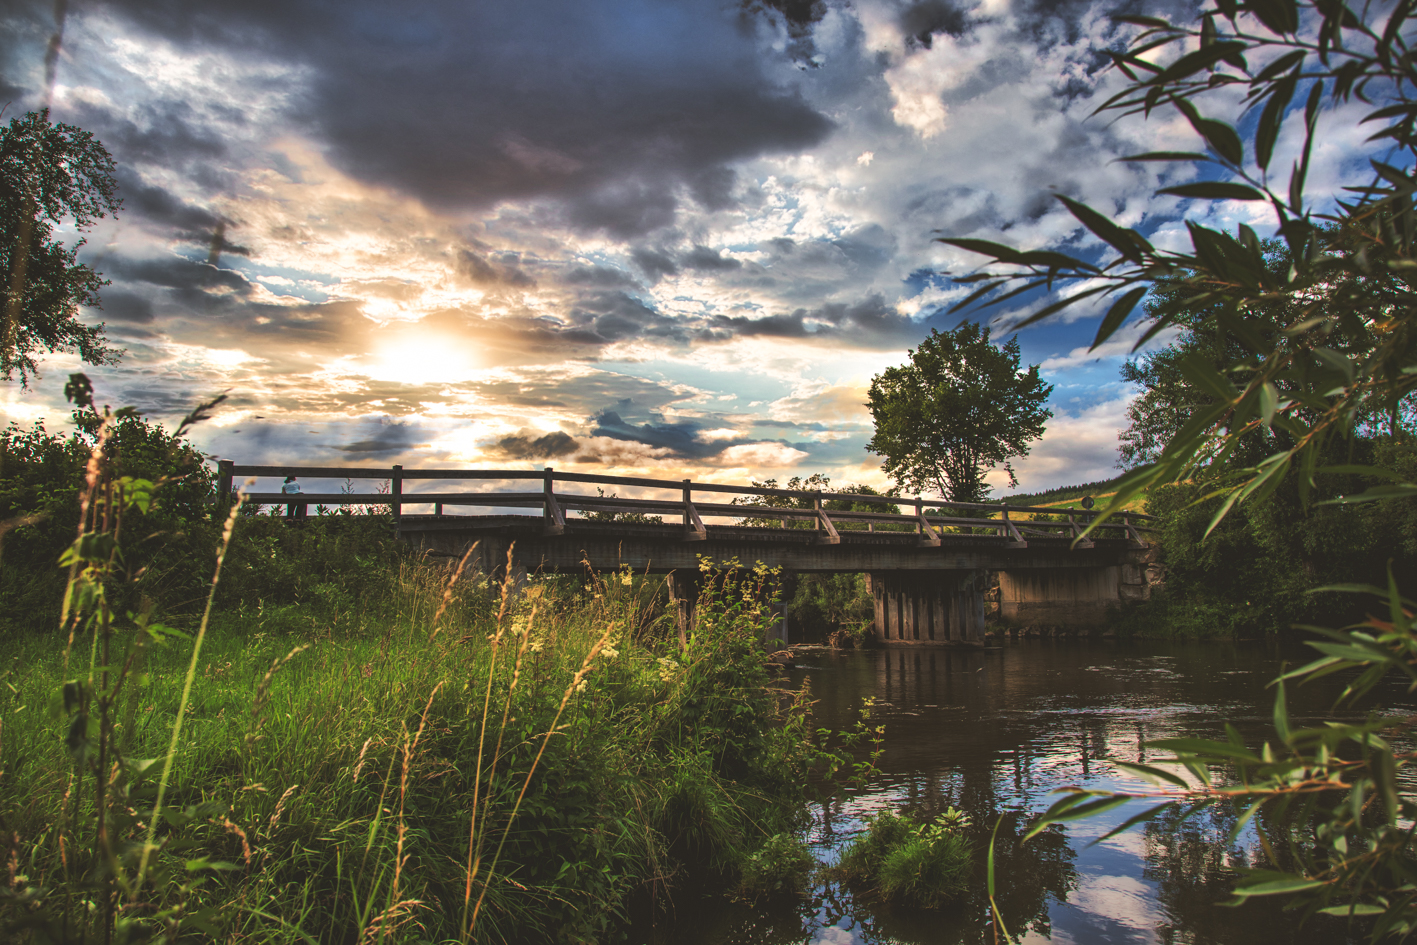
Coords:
pixel 996 732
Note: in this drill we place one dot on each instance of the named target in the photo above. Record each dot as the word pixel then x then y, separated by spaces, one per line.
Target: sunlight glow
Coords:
pixel 421 358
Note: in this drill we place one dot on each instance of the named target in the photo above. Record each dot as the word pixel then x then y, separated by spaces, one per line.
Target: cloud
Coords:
pixel 548 446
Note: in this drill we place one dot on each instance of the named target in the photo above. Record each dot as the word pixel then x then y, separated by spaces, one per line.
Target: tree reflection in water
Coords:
pixel 1193 864
pixel 1028 875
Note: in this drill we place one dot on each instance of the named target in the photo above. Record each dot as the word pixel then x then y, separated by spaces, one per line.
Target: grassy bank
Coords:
pixel 366 768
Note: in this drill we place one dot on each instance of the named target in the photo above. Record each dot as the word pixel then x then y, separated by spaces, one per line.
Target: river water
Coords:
pixel 995 732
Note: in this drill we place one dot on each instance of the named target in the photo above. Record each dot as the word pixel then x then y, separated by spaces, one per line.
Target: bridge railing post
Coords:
pixel 553 520
pixel 223 489
pixel 396 493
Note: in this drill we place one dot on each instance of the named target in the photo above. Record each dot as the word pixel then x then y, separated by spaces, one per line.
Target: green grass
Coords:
pixel 355 776
pixel 900 860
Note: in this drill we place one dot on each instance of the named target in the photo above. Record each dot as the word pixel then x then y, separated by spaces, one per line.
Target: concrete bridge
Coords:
pixel 930 563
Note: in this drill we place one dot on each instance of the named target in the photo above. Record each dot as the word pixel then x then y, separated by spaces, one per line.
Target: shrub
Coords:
pixel 905 861
pixel 781 865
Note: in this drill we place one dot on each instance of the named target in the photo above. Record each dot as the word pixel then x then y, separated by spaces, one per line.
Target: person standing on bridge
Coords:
pixel 293 510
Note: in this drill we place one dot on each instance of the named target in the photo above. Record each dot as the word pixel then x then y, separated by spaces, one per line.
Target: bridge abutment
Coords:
pixel 928 607
pixel 1059 597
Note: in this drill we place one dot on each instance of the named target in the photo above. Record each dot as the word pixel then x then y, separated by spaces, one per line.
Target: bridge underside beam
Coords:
pixel 662 548
pixel 1058 597
pixel 942 607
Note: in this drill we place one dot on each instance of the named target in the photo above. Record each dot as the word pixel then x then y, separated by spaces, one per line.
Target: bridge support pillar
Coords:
pixel 684 587
pixel 928 607
pixel 1058 597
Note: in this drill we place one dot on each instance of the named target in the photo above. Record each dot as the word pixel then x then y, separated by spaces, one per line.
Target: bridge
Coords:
pixel 929 562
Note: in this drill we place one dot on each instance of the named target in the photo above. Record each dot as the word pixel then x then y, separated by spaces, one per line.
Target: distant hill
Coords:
pixel 1068 497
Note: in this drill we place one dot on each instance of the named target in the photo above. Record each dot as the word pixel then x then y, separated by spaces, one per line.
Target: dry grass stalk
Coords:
pixel 448 589
pixel 226 533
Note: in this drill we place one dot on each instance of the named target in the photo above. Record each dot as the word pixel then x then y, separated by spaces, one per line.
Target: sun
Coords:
pixel 421 358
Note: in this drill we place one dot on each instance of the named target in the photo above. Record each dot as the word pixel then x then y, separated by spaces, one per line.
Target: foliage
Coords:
pixel 914 863
pixel 1329 342
pixel 1327 346
pixel 42 481
pixel 783 864
pixel 831 607
pixel 1169 397
pixel 1253 574
pixel 960 408
pixel 1062 494
pixel 49 172
pixel 623 518
pixel 820 483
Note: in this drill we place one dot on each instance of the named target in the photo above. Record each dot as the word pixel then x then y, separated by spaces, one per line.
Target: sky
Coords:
pixel 639 238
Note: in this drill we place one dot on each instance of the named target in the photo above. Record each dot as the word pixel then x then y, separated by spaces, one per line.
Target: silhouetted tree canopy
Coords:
pixel 48 173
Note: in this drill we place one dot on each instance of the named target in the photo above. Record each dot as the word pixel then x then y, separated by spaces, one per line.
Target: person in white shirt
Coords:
pixel 292 510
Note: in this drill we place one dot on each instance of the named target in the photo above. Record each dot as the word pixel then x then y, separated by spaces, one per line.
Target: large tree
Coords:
pixel 49 173
pixel 960 408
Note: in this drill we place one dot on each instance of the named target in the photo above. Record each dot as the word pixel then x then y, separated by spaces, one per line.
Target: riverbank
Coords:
pixel 486 773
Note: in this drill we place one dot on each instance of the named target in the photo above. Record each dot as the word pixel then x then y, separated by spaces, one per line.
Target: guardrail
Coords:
pixel 925 516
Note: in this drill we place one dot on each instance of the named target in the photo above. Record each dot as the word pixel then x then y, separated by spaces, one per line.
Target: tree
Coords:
pixel 1169 395
pixel 49 173
pixel 960 408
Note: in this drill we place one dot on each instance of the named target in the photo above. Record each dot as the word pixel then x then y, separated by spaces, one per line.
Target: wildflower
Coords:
pixel 610 651
pixel 627 578
pixel 667 668
pixel 580 686
pixel 537 644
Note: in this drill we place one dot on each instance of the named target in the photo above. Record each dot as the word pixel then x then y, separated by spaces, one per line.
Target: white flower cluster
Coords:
pixel 667 668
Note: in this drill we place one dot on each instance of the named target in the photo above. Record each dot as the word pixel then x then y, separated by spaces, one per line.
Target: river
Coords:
pixel 994 732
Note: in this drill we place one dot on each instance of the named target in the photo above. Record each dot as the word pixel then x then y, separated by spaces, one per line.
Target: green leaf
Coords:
pixel 1129 243
pixel 1077 812
pixel 1406 490
pixel 1191 63
pixel 1280 16
pixel 1150 22
pixel 1168 156
pixel 984 248
pixel 1213 190
pixel 1273 887
pixel 1272 119
pixel 1117 314
pixel 1356 908
pixel 1204 748
pixel 1146 815
pixel 1154 775
pixel 1281 712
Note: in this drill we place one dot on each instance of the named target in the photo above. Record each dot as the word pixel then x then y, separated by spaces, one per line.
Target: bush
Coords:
pixel 908 862
pixel 1253 575
pixel 41 477
pixel 781 865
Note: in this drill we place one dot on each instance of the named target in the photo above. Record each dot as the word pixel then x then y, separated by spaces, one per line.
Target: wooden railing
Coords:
pixel 925 516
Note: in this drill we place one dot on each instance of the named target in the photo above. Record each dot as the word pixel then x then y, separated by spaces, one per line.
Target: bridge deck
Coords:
pixel 661 548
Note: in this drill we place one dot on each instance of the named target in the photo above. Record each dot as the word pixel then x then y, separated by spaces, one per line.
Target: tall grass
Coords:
pixel 423 757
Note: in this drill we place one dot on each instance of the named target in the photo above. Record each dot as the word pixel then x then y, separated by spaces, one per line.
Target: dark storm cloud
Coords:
pixel 391 438
pixel 128 307
pixel 654 264
pixel 680 438
pixel 921 22
pixel 549 446
pixel 870 323
pixel 503 270
pixel 614 109
pixel 703 258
